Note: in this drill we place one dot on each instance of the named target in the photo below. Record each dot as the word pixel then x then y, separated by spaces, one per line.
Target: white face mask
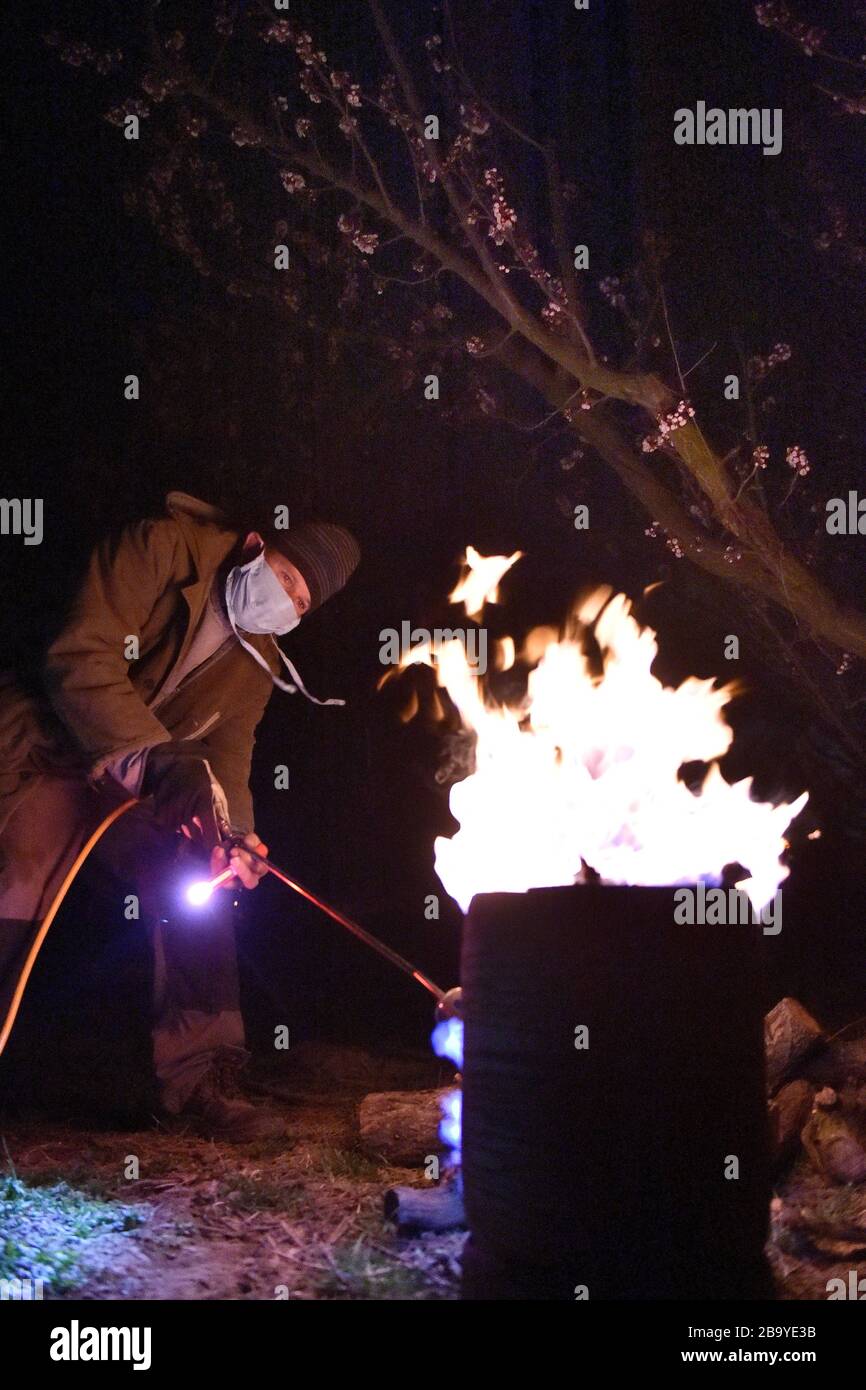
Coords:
pixel 257 602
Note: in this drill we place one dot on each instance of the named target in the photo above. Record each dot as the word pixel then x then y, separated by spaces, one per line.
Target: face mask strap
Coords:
pixel 300 684
pixel 283 685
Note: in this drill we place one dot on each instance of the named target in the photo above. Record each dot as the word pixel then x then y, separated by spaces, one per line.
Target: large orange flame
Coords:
pixel 585 771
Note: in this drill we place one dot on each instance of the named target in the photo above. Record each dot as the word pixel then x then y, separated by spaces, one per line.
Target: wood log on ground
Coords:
pixel 437 1207
pixel 790 1035
pixel 402 1126
pixel 789 1112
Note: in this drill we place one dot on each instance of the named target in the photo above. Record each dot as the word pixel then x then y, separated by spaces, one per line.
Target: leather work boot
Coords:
pixel 218 1110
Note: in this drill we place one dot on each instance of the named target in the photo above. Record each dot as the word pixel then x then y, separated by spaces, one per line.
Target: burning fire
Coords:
pixel 480 583
pixel 584 770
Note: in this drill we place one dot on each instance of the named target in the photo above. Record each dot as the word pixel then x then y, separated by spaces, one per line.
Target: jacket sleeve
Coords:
pixel 86 670
pixel 230 749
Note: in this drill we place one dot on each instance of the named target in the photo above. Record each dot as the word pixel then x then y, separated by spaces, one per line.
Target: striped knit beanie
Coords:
pixel 326 555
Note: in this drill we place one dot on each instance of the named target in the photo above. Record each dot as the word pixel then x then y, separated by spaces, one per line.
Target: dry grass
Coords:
pixel 300 1218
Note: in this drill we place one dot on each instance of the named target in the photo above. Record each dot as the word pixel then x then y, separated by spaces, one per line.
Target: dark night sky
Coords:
pixel 84 279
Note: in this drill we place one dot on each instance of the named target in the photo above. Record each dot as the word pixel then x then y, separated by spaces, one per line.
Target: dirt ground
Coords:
pixel 300 1218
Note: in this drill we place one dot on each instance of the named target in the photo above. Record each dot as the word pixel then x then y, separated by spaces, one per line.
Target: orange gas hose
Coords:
pixel 36 945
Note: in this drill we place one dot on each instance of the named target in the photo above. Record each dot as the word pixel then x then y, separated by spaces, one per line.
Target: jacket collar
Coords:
pixel 209 541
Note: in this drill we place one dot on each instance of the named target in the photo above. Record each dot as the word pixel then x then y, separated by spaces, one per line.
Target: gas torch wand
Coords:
pixel 199 893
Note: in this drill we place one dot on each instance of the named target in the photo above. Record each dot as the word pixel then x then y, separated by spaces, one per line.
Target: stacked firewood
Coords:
pixel 817 1094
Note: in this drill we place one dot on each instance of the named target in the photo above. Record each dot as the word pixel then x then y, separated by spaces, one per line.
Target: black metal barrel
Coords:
pixel 608 1170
